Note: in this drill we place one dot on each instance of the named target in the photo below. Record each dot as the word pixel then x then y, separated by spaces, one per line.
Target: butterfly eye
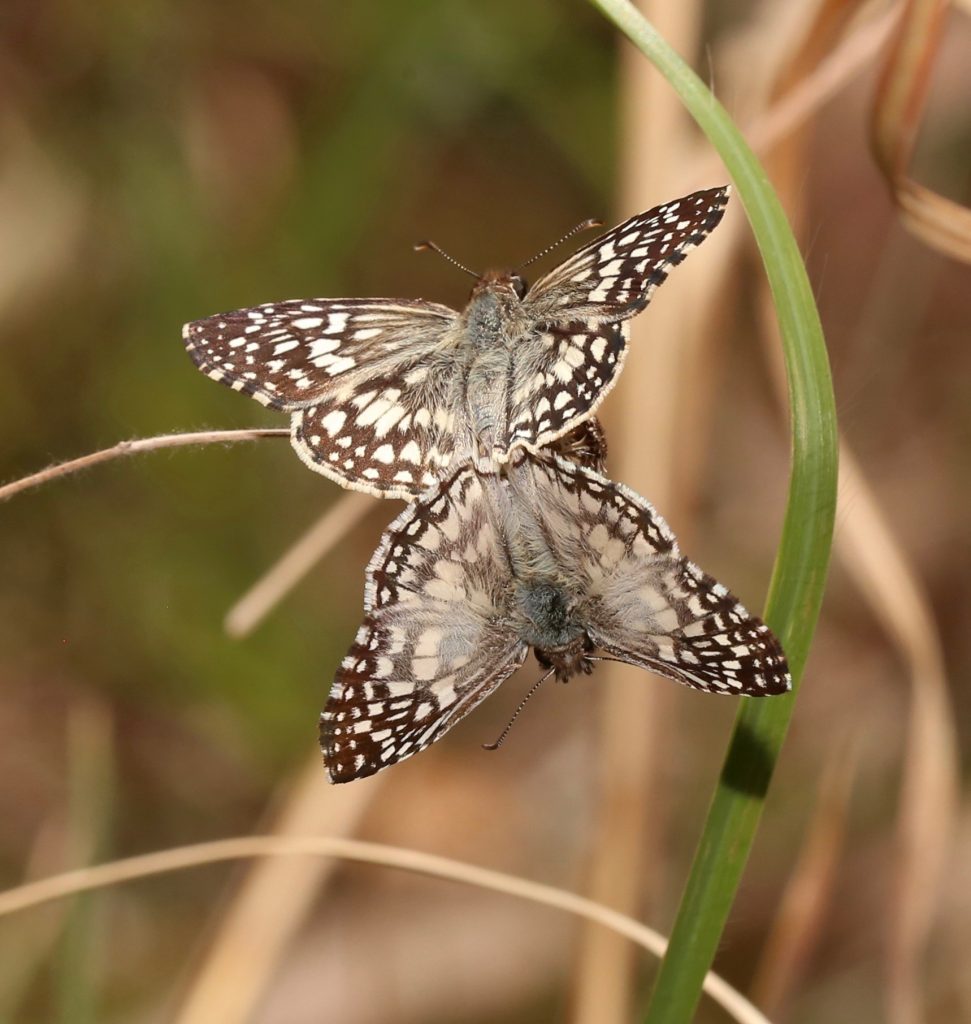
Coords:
pixel 520 287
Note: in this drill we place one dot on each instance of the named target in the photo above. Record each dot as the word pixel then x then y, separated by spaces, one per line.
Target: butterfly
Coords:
pixel 385 395
pixel 546 554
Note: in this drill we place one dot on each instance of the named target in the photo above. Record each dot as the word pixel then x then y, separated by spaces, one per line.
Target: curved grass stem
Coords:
pixel 100 876
pixel 799 574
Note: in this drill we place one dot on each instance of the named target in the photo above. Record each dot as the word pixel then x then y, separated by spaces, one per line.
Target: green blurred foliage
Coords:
pixel 197 158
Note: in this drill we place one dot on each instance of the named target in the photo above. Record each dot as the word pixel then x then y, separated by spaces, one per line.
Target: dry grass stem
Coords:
pixel 805 901
pixel 629 832
pixel 342 516
pixel 180 858
pixel 273 901
pixel 806 95
pixel 929 786
pixel 135 447
pixel 865 544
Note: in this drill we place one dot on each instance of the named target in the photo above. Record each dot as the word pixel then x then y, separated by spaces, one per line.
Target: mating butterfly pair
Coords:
pixel 515 539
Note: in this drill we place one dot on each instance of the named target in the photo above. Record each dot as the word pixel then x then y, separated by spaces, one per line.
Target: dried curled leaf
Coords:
pixel 898 108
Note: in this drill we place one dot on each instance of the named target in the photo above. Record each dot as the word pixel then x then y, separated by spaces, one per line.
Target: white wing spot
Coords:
pixel 333 421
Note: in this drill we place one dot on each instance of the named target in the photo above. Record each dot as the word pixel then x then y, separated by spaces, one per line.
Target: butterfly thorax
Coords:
pixel 551 629
pixel 491 325
pixel 494 311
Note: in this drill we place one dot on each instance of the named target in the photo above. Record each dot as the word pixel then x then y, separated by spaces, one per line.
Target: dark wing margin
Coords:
pixel 614 276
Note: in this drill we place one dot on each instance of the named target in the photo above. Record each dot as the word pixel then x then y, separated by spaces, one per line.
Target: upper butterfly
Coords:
pixel 386 394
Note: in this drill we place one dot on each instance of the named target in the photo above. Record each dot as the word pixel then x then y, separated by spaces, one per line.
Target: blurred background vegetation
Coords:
pixel 160 162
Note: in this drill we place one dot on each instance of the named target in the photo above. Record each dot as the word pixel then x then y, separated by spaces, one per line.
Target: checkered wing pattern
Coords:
pixel 359 376
pixel 640 599
pixel 434 643
pixel 561 378
pixel 393 436
pixel 577 349
pixel 614 276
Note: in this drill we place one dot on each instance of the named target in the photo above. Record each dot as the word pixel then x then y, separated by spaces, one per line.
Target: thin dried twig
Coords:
pixel 298 560
pixel 142 444
pixel 179 858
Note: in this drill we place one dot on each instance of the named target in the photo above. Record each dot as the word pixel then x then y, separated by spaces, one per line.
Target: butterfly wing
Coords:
pixel 561 376
pixel 394 435
pixel 435 640
pixel 643 602
pixel 369 401
pixel 614 276
pixel 571 360
pixel 291 355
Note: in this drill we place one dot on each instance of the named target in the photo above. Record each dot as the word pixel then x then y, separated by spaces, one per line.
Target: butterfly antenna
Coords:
pixel 601 657
pixel 505 732
pixel 585 226
pixel 425 246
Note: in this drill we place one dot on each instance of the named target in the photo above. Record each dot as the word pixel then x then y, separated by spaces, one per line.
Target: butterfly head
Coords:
pixel 569 661
pixel 492 282
pixel 500 282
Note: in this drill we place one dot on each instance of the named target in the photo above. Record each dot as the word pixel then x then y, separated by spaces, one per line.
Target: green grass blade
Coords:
pixel 799 575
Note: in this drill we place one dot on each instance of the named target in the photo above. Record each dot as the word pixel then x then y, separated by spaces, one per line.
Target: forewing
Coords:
pixel 645 603
pixel 289 355
pixel 614 276
pixel 369 384
pixel 435 640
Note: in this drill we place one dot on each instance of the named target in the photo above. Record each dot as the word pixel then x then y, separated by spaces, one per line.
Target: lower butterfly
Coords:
pixel 548 555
